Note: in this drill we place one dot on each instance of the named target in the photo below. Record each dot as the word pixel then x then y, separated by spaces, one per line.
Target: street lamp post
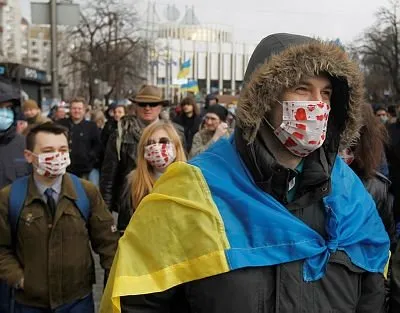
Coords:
pixel 54 61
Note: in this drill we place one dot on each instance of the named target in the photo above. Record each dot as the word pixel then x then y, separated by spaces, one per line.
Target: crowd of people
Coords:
pixel 289 203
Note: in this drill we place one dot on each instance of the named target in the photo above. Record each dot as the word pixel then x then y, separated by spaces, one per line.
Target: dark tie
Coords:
pixel 51 203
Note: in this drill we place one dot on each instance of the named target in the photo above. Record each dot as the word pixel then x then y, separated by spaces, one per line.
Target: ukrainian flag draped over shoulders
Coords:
pixel 208 217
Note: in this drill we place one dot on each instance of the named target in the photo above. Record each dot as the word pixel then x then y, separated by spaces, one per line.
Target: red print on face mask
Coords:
pixel 290 143
pixel 301 126
pixel 304 125
pixel 301 115
pixel 160 155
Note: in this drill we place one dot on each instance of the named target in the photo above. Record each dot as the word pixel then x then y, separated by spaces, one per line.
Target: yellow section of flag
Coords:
pixel 185 69
pixel 176 235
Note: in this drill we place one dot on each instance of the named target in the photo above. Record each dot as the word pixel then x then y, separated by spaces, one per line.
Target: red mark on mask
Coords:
pixel 298 135
pixel 301 115
pixel 301 126
pixel 290 143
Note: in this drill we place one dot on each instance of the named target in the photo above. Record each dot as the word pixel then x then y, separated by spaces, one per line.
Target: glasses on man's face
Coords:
pixel 151 105
pixel 162 140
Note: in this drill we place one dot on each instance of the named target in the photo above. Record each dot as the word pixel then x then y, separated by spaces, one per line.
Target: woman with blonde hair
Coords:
pixel 159 146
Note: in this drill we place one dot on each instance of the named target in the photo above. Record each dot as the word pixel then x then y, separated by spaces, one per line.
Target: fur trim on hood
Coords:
pixel 279 62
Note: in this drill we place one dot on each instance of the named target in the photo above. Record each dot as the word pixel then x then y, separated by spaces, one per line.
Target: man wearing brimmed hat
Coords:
pixel 120 155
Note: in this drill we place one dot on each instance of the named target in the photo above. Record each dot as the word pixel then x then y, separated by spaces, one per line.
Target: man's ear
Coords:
pixel 28 156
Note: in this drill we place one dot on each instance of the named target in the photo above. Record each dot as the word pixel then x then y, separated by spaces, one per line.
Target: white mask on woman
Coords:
pixel 160 155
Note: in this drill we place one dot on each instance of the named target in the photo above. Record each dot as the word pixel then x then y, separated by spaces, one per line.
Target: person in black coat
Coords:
pixel 12 162
pixel 393 160
pixel 190 119
pixel 84 140
pixel 12 144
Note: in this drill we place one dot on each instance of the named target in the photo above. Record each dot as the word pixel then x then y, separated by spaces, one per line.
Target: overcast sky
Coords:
pixel 254 19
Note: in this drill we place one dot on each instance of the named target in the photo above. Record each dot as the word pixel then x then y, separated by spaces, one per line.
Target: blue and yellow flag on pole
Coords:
pixel 209 217
pixel 190 86
pixel 185 69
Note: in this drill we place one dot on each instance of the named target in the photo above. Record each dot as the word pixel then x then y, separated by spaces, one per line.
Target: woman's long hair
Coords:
pixel 370 148
pixel 142 179
pixel 191 101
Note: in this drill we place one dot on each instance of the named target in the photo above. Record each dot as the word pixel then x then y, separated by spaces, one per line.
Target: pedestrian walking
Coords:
pixel 159 146
pixel 12 161
pixel 49 221
pixel 83 140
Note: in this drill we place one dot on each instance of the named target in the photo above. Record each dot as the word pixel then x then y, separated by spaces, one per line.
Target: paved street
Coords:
pixel 98 288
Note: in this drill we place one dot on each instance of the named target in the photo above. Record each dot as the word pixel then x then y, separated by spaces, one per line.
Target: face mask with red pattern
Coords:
pixel 160 155
pixel 304 125
pixel 52 164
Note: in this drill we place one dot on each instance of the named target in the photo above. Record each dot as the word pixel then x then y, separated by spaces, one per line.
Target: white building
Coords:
pixel 11 30
pixel 39 56
pixel 218 62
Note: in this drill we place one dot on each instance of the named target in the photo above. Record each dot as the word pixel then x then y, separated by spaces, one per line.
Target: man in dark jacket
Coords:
pixel 12 145
pixel 271 220
pixel 120 156
pixel 84 140
pixel 12 161
pixel 46 256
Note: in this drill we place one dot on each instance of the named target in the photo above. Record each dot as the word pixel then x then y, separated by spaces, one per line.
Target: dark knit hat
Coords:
pixel 219 110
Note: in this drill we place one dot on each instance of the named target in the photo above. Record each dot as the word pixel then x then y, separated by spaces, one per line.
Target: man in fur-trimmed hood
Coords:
pixel 270 220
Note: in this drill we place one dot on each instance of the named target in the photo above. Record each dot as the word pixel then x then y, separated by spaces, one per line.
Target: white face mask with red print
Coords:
pixel 160 155
pixel 52 164
pixel 304 126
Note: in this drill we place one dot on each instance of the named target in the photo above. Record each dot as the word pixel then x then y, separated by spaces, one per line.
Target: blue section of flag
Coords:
pixel 186 64
pixel 185 69
pixel 262 232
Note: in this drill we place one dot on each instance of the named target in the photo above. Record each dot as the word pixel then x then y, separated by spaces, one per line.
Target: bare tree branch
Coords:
pixel 106 47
